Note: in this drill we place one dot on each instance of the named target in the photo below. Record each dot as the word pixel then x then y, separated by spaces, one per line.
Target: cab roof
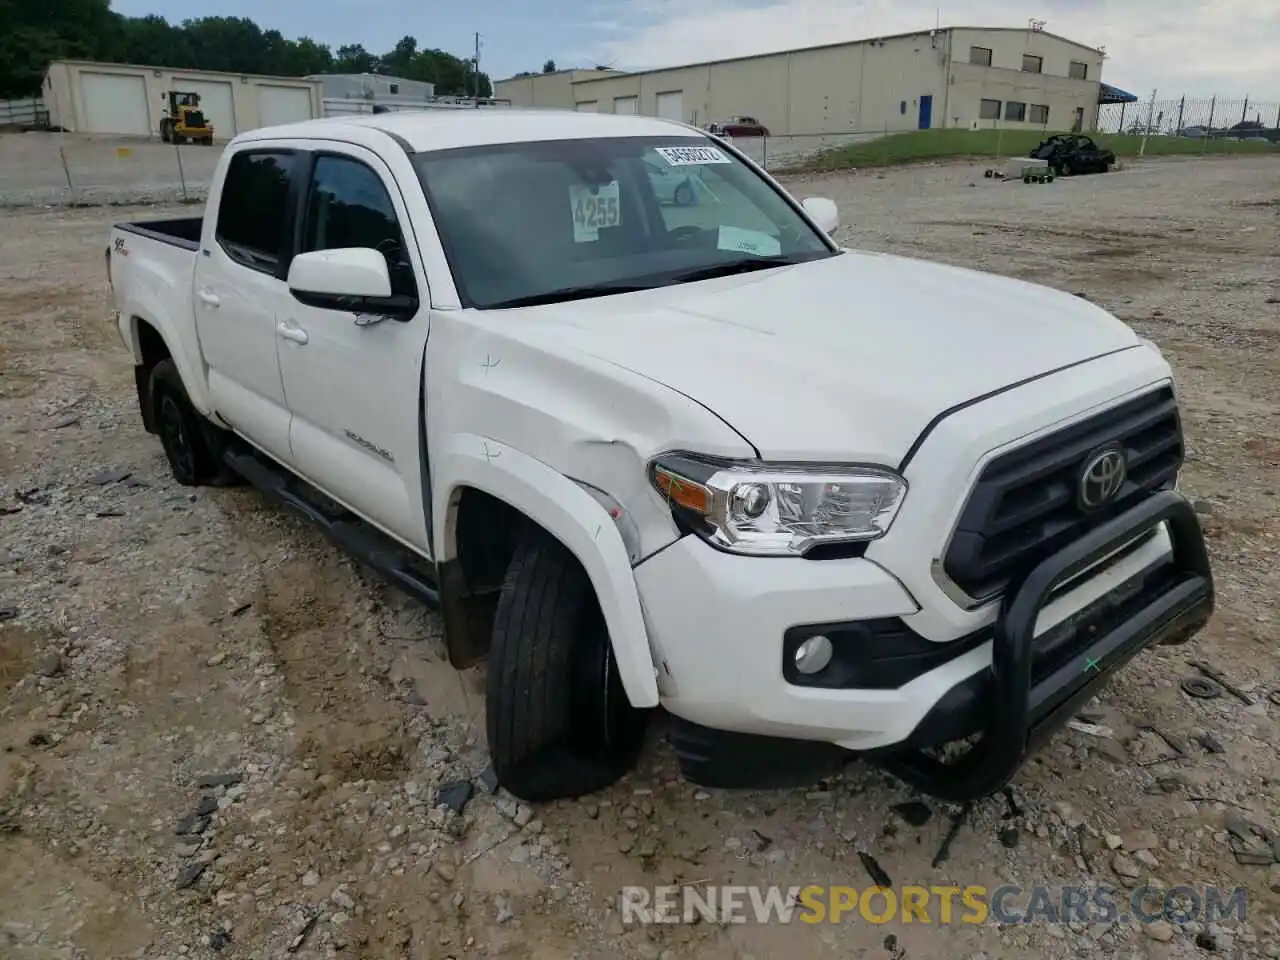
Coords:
pixel 428 130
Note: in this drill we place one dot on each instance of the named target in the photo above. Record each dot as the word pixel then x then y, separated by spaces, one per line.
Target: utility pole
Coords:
pixel 1244 111
pixel 1146 131
pixel 476 65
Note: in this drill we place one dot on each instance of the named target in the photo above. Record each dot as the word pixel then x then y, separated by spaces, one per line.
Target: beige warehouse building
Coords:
pixel 130 100
pixel 954 77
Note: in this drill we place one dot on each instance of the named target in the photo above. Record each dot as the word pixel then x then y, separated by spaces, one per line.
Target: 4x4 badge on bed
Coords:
pixel 1103 475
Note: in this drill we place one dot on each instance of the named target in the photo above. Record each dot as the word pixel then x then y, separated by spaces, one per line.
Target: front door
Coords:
pixel 239 286
pixel 354 387
pixel 926 111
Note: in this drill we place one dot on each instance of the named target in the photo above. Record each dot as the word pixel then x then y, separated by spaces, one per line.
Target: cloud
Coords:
pixel 1193 47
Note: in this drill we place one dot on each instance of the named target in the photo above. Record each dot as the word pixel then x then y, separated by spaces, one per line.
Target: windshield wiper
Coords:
pixel 570 293
pixel 566 294
pixel 737 266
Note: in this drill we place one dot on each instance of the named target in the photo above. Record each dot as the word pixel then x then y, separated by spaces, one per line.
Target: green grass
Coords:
pixel 924 145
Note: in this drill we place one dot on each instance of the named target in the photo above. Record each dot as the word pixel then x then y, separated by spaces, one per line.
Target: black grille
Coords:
pixel 1023 507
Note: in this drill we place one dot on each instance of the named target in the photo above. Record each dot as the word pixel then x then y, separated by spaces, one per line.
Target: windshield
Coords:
pixel 539 222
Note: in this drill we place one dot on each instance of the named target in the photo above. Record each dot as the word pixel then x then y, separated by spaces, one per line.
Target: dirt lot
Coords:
pixel 155 637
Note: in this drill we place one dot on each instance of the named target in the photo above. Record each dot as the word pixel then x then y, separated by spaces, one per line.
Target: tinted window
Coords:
pixel 989 110
pixel 1015 111
pixel 1032 63
pixel 1079 71
pixel 349 207
pixel 254 211
pixel 980 56
pixel 545 219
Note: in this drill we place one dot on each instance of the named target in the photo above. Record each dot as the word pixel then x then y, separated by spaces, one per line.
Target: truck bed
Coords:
pixel 177 231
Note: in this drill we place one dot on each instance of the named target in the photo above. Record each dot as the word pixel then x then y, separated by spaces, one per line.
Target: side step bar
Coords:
pixel 378 551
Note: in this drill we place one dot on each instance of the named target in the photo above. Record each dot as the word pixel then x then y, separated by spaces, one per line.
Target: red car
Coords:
pixel 738 127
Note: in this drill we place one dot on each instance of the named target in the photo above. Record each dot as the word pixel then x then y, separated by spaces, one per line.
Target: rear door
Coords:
pixel 239 284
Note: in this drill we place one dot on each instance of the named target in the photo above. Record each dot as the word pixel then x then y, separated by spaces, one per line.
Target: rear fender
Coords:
pixel 139 308
pixel 570 514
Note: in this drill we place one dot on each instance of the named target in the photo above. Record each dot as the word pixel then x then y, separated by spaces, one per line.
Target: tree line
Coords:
pixel 32 34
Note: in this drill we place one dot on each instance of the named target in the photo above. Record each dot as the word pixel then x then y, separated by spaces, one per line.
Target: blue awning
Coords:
pixel 1109 94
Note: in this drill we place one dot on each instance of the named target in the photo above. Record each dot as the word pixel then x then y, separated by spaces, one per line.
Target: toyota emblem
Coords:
pixel 1103 475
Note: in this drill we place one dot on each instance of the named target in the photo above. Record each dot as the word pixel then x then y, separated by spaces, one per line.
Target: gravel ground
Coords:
pixel 219 738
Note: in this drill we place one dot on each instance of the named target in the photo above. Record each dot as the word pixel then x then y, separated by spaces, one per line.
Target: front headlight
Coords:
pixel 778 509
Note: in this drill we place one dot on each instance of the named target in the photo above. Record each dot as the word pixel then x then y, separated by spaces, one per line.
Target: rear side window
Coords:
pixel 254 213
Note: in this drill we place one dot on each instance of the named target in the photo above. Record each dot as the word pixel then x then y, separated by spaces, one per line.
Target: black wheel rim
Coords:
pixel 175 436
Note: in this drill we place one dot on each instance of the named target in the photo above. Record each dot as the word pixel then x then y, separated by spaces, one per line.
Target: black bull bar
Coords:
pixel 1029 701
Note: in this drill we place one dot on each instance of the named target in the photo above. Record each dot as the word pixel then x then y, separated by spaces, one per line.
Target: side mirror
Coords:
pixel 823 212
pixel 354 279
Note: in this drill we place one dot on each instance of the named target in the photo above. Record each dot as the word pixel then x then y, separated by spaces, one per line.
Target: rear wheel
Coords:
pixel 558 720
pixel 192 445
pixel 1064 168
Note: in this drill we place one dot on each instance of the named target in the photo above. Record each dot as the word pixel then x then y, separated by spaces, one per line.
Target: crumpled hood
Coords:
pixel 847 358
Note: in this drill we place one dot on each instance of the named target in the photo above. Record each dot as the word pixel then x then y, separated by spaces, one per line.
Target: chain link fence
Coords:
pixel 51 169
pixel 1195 117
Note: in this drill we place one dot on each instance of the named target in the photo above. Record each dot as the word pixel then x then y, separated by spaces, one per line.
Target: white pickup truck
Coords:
pixel 682 453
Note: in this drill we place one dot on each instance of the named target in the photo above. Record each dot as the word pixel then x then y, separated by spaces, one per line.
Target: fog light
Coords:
pixel 813 655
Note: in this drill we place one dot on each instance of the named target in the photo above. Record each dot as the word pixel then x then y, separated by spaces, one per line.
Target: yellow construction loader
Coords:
pixel 184 122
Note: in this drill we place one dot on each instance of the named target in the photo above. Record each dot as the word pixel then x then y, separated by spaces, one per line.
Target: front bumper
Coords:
pixel 1028 693
pixel 717 624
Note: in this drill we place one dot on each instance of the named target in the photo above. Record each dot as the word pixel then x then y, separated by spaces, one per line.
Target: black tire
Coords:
pixel 1064 169
pixel 192 445
pixel 558 720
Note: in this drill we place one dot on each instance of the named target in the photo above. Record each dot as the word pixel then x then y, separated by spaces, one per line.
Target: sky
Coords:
pixel 1197 48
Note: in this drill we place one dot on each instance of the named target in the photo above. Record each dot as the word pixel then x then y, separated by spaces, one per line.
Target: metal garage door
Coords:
pixel 626 104
pixel 671 105
pixel 283 105
pixel 114 103
pixel 588 106
pixel 215 102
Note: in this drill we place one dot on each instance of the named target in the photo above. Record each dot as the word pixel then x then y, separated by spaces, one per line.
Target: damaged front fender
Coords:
pixel 574 516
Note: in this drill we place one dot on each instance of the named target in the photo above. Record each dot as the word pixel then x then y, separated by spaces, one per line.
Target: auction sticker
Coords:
pixel 748 241
pixel 688 156
pixel 594 208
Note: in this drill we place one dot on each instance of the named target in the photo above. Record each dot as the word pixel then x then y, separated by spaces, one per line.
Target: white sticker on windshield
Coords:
pixel 748 241
pixel 687 156
pixel 594 207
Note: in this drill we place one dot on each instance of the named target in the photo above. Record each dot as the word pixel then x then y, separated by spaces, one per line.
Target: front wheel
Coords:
pixel 558 719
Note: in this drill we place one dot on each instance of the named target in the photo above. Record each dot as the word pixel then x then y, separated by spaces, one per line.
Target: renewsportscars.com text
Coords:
pixel 944 905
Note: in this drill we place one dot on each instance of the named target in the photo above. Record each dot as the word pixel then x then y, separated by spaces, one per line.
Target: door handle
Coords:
pixel 208 297
pixel 296 334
